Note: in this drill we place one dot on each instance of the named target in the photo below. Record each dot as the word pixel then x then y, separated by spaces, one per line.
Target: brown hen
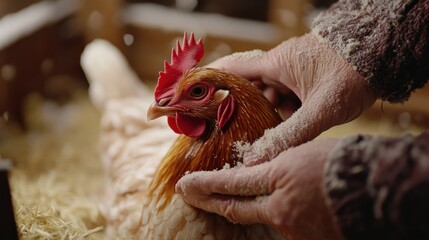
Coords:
pixel 212 111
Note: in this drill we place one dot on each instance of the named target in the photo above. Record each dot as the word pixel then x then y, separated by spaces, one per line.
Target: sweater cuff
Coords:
pixel 377 187
pixel 346 175
pixel 385 41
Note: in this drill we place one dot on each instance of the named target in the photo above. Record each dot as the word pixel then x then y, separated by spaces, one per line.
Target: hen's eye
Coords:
pixel 198 92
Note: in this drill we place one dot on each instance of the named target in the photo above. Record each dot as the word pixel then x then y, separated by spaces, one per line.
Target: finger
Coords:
pixel 330 105
pixel 244 210
pixel 259 84
pixel 251 64
pixel 272 95
pixel 233 193
pixel 312 118
pixel 236 181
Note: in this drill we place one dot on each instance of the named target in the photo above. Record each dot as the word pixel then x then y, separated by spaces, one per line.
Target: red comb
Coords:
pixel 183 58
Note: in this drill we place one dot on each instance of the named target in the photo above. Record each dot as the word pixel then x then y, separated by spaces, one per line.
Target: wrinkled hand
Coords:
pixel 309 83
pixel 286 193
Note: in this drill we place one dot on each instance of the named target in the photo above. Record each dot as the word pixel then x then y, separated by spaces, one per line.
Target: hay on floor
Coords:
pixel 57 176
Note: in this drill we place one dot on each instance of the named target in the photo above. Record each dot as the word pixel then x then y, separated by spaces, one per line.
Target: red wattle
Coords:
pixel 173 125
pixel 190 126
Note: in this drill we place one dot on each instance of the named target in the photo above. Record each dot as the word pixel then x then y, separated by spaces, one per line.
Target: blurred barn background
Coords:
pixel 41 41
pixel 40 77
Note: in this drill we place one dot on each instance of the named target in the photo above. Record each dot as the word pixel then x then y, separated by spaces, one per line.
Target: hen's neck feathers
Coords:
pixel 253 115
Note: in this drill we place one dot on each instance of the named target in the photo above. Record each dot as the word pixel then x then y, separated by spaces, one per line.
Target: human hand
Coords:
pixel 309 83
pixel 286 193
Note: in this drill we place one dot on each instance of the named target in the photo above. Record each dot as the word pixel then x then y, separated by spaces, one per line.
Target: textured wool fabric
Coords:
pixel 378 186
pixel 386 41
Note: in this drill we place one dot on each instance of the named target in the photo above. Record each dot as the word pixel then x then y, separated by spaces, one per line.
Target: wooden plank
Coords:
pixel 10 6
pixel 35 59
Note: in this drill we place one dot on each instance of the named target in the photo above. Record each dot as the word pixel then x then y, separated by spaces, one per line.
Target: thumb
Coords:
pixel 250 64
pixel 330 105
pixel 231 193
pixel 304 125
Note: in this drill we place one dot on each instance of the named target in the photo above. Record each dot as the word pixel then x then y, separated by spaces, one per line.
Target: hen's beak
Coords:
pixel 155 111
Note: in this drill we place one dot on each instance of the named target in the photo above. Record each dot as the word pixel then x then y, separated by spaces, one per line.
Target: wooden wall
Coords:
pixel 46 61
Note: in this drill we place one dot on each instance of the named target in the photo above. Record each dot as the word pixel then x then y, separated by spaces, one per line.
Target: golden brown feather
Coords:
pixel 254 114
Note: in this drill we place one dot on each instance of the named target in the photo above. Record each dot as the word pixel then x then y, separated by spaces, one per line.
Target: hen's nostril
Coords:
pixel 163 102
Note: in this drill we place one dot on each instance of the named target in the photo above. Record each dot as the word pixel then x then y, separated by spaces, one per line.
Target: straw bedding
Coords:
pixel 57 175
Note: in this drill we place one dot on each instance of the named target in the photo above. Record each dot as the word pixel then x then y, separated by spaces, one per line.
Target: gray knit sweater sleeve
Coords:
pixel 378 187
pixel 386 41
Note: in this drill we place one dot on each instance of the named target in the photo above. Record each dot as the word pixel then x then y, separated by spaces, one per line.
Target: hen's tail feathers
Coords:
pixel 109 74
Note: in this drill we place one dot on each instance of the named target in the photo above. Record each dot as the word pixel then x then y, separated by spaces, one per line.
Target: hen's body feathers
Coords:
pixel 135 203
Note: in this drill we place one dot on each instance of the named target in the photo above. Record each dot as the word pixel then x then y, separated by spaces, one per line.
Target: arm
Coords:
pixel 386 41
pixel 286 193
pixel 378 187
pixel 294 67
pixel 372 188
pixel 355 53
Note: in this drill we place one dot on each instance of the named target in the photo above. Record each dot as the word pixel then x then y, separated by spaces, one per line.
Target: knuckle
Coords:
pixel 230 211
pixel 278 216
